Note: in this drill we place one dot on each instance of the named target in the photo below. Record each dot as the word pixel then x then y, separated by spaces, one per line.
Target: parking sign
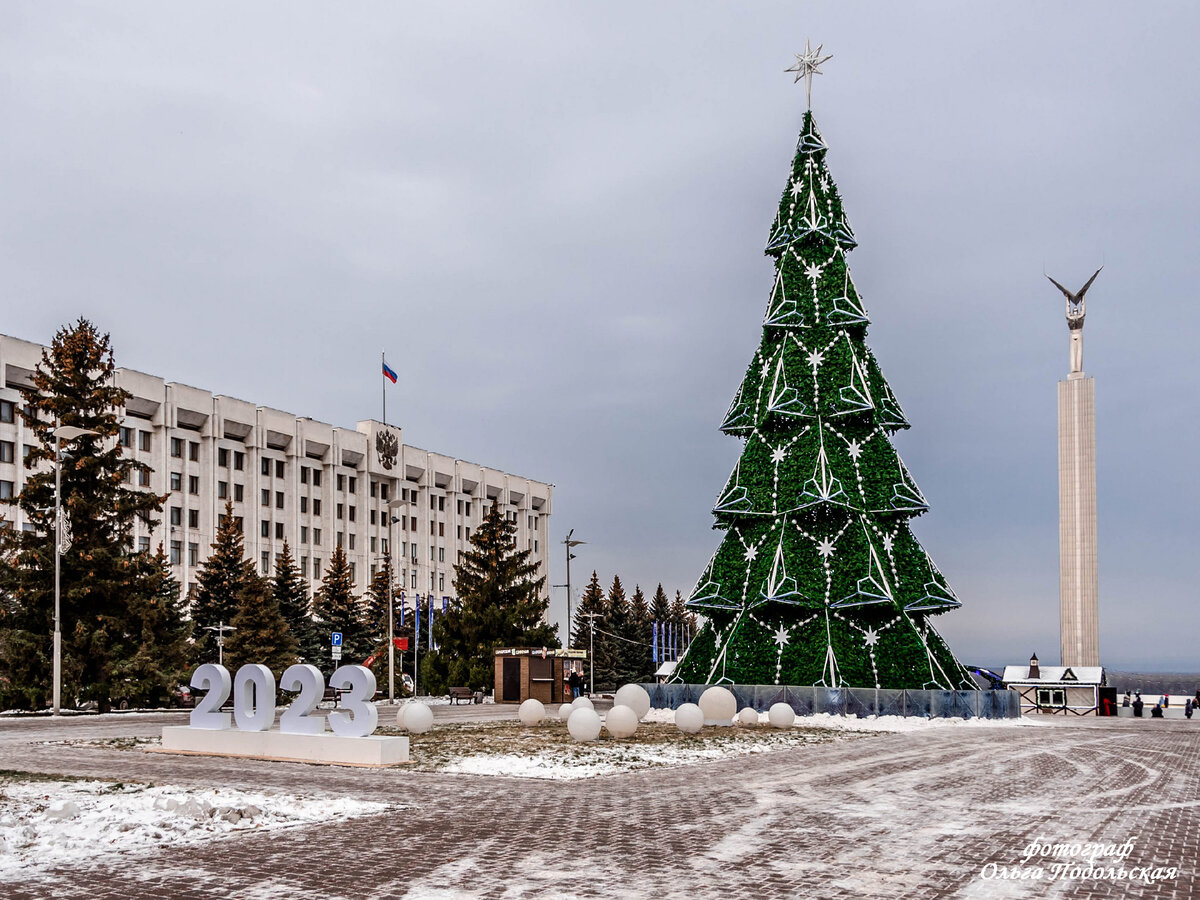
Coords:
pixel 337 639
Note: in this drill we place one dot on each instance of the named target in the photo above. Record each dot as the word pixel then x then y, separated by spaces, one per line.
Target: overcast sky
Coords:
pixel 552 218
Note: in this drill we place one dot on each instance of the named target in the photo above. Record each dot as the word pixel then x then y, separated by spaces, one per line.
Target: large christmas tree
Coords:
pixel 819 579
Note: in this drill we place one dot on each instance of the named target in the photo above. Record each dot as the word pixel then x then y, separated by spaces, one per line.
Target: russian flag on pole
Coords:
pixel 388 373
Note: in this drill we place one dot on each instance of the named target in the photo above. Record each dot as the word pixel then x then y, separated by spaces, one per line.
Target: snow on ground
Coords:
pixel 870 723
pixel 649 749
pixel 49 823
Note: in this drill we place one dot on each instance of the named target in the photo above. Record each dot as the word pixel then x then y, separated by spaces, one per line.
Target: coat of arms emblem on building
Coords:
pixel 387 447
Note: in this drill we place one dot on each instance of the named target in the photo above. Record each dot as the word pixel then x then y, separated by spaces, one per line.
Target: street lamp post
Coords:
pixel 592 648
pixel 220 628
pixel 570 556
pixel 61 433
pixel 391 628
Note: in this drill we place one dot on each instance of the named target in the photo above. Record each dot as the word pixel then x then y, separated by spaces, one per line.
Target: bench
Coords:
pixel 333 694
pixel 461 693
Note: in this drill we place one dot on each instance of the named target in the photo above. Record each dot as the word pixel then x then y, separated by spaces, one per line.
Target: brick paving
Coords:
pixel 911 815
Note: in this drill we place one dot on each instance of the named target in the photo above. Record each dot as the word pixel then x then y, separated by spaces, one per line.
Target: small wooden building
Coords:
pixel 1056 690
pixel 540 673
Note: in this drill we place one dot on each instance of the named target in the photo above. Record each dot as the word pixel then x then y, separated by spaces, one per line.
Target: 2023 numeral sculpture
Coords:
pixel 253 691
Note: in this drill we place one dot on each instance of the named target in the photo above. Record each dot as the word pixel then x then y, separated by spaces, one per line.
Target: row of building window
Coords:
pixel 143 438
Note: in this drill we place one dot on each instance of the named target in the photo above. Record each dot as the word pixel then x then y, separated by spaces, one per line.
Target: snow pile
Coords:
pixel 609 758
pixel 49 823
pixel 870 723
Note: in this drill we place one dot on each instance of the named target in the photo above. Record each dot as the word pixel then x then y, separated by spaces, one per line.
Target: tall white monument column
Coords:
pixel 1079 613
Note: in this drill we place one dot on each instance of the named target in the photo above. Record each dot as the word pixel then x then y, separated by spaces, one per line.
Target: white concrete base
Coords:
pixel 375 750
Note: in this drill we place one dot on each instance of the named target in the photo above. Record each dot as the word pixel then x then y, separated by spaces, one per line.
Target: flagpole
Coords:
pixel 383 383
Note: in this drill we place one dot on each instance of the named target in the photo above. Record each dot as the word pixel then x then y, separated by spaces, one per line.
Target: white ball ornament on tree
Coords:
pixel 621 721
pixel 747 717
pixel 584 724
pixel 531 712
pixel 582 703
pixel 781 715
pixel 689 718
pixel 418 718
pixel 564 711
pixel 635 697
pixel 718 705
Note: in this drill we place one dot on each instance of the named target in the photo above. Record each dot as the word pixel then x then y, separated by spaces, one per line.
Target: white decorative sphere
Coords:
pixel 621 721
pixel 635 697
pixel 531 712
pixel 780 715
pixel 582 703
pixel 747 716
pixel 418 718
pixel 689 718
pixel 564 712
pixel 584 724
pixel 718 705
pixel 400 716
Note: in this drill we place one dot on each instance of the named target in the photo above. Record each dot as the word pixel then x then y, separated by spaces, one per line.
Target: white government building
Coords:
pixel 316 485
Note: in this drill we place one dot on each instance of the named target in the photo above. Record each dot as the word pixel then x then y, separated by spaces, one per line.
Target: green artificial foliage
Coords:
pixel 290 590
pixel 104 583
pixel 219 583
pixel 499 603
pixel 261 634
pixel 153 656
pixel 338 609
pixel 818 579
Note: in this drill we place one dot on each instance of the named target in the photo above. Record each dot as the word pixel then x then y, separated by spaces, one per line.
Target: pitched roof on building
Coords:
pixel 1056 675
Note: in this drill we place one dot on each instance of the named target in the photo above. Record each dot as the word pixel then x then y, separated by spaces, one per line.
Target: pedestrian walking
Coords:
pixel 1188 707
pixel 1137 705
pixel 1166 700
pixel 1127 699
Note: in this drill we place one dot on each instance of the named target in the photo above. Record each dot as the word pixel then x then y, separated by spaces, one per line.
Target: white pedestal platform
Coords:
pixel 331 749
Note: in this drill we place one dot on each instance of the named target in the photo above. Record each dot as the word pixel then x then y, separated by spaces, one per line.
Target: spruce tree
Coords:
pixel 377 602
pixel 152 658
pixel 682 625
pixel 660 606
pixel 591 601
pixel 377 626
pixel 73 385
pixel 261 634
pixel 610 648
pixel 638 666
pixel 291 595
pixel 499 604
pixel 819 579
pixel 219 583
pixel 338 609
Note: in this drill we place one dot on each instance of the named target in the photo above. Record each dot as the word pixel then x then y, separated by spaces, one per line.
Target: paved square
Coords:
pixel 899 815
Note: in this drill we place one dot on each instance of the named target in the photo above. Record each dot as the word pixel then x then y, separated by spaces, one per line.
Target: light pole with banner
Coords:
pixel 62 543
pixel 592 648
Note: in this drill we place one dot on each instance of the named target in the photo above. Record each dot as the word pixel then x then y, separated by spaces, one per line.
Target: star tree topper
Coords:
pixel 807 65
